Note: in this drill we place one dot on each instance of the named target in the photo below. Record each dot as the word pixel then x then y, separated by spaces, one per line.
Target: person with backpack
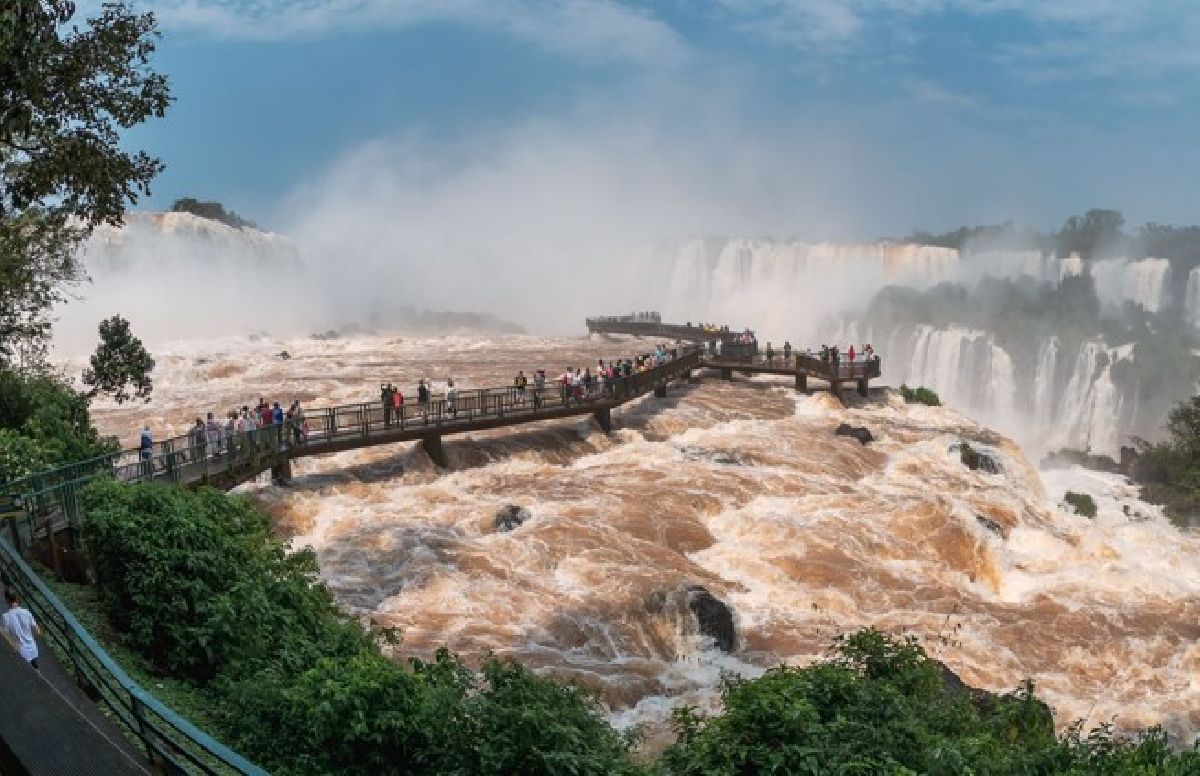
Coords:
pixel 519 384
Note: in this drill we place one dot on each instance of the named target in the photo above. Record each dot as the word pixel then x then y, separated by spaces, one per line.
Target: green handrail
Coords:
pixel 166 736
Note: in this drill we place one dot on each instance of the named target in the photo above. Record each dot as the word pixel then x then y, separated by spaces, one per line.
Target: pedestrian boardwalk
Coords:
pixel 42 513
pixel 48 726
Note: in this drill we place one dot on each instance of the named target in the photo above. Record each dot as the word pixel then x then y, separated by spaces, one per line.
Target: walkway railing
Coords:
pixel 49 500
pixel 170 741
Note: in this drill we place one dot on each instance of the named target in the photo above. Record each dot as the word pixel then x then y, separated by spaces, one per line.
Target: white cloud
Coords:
pixel 591 30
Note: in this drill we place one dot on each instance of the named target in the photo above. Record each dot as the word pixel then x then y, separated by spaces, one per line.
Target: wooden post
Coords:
pixel 604 418
pixel 435 451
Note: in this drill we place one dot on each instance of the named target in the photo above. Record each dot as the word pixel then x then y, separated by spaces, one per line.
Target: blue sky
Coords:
pixel 823 119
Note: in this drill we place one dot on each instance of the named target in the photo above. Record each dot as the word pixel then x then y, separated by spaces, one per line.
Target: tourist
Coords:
pixel 212 429
pixel 277 414
pixel 385 399
pixel 850 353
pixel 451 397
pixel 231 429
pixel 566 387
pixel 519 383
pixel 770 354
pixel 717 346
pixel 199 438
pixel 423 400
pixel 397 405
pixel 20 629
pixel 296 417
pixel 146 450
pixel 787 351
pixel 265 416
pixel 539 387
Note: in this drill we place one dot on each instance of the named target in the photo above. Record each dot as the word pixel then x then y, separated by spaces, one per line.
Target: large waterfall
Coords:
pixel 1046 389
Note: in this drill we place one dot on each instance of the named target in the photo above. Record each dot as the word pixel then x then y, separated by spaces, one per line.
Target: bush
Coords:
pixel 199 586
pixel 44 422
pixel 1082 503
pixel 880 705
pixel 920 395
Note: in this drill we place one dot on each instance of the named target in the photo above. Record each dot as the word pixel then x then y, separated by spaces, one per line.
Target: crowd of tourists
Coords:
pixel 831 354
pixel 212 436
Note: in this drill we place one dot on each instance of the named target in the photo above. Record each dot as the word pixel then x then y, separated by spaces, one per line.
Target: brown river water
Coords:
pixel 739 487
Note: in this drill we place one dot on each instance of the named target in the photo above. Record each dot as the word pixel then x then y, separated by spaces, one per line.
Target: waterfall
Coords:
pixel 966 368
pixel 1142 282
pixel 1191 300
pixel 1043 383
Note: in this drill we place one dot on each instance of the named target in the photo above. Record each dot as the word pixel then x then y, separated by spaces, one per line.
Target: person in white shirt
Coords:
pixel 19 629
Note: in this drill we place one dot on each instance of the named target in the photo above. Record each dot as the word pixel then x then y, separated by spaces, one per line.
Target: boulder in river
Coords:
pixel 861 433
pixel 714 617
pixel 976 459
pixel 511 516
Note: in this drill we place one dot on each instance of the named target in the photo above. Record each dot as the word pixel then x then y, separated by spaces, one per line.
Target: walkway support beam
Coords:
pixel 802 382
pixel 281 473
pixel 433 448
pixel 604 419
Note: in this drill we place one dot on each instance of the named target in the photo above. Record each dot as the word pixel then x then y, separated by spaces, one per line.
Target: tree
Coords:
pixel 213 211
pixel 119 363
pixel 1088 235
pixel 65 91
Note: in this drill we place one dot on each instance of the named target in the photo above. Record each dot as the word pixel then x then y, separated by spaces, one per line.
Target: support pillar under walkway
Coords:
pixel 604 418
pixel 281 473
pixel 435 451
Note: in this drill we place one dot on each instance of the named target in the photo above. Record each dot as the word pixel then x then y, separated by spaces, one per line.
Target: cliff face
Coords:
pixel 182 239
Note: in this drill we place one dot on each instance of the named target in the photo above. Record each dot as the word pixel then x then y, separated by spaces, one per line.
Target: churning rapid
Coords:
pixel 741 488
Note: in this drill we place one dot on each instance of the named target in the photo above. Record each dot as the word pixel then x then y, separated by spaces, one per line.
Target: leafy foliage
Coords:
pixel 199 586
pixel 65 91
pixel 119 363
pixel 881 705
pixel 44 422
pixel 920 395
pixel 213 211
pixel 1170 471
pixel 1082 503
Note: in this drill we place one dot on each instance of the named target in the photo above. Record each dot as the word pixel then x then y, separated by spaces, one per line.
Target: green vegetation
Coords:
pixel 920 395
pixel 1082 503
pixel 195 584
pixel 120 363
pixel 881 705
pixel 198 586
pixel 1097 234
pixel 66 90
pixel 1169 472
pixel 214 211
pixel 44 422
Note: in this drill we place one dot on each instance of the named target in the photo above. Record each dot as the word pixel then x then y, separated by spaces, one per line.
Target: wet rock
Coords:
pixel 714 617
pixel 991 525
pixel 283 355
pixel 986 702
pixel 861 433
pixel 975 459
pixel 510 517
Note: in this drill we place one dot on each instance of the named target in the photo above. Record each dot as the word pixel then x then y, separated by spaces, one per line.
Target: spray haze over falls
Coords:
pixel 741 489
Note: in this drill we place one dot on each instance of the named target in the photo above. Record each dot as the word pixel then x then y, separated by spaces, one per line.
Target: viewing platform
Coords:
pixel 651 325
pixel 43 516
